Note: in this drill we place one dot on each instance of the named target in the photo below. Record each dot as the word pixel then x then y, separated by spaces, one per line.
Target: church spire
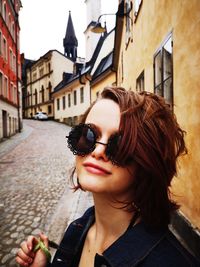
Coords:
pixel 70 42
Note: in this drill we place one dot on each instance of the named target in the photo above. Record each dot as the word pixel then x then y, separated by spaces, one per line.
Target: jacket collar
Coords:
pixel 128 250
pixel 133 246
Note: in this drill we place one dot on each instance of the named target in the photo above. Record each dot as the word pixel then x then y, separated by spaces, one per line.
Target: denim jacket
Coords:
pixel 138 246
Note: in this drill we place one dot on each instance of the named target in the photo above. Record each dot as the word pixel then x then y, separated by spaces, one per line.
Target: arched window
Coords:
pixel 13 30
pixel 42 94
pixel 4 11
pixel 1 6
pixel 49 67
pixel 50 89
pixel 36 98
pixel 9 23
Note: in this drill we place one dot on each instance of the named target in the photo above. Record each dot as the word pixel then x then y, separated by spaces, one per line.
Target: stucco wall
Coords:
pixel 109 80
pixel 12 119
pixel 73 110
pixel 156 19
pixel 60 64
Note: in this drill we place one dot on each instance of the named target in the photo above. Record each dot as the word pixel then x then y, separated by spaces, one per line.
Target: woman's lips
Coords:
pixel 95 169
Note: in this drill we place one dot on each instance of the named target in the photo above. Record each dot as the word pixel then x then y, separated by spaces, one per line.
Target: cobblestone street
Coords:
pixel 34 186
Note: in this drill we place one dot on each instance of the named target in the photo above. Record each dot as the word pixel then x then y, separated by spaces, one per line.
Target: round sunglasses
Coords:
pixel 82 140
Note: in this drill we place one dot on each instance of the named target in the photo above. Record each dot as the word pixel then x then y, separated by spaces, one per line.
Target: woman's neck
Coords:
pixel 111 222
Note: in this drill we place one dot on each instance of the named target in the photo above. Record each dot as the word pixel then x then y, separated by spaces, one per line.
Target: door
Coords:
pixel 4 116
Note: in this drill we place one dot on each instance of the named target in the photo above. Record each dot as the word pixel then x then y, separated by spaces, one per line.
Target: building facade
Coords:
pixel 75 93
pixel 10 69
pixel 41 77
pixel 157 50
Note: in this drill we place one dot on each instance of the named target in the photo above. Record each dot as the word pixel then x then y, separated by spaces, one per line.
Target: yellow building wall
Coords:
pixel 109 80
pixel 156 19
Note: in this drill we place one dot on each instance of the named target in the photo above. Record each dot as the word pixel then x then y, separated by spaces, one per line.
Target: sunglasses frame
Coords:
pixel 80 126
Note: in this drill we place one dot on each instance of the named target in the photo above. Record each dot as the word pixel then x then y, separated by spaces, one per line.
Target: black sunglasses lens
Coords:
pixel 81 139
pixel 113 147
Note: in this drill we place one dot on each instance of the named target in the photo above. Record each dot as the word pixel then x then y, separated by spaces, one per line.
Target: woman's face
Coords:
pixel 95 171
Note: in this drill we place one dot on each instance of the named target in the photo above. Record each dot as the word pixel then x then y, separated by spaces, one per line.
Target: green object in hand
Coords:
pixel 41 245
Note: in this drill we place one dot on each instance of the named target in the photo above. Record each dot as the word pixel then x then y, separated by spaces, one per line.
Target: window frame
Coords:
pixel 163 81
pixel 82 95
pixel 75 97
pixel 64 102
pixel 5 49
pixel 58 103
pixel 5 84
pixel 4 12
pixel 69 100
pixel 2 83
pixel 1 42
pixel 139 79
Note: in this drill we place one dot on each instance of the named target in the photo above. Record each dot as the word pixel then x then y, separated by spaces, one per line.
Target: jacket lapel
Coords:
pixel 133 246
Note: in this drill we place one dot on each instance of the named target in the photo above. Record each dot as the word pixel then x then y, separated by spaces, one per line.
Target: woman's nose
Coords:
pixel 100 151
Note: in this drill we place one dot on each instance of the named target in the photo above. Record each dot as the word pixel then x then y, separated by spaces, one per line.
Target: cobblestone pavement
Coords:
pixel 34 186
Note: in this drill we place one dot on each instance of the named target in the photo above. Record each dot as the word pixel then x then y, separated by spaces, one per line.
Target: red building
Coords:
pixel 10 68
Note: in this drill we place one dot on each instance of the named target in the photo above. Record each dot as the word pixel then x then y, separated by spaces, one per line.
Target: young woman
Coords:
pixel 126 151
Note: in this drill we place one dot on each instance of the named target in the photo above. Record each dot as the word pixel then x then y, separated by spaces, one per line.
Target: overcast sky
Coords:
pixel 43 24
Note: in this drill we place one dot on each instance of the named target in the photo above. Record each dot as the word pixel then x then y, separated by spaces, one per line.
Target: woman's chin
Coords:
pixel 91 187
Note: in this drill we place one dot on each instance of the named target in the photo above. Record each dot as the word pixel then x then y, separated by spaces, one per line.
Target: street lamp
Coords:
pixel 99 29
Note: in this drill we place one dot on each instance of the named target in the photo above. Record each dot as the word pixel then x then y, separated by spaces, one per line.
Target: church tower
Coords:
pixel 70 41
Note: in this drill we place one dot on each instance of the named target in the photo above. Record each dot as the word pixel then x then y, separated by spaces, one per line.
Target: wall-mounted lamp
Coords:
pixel 99 29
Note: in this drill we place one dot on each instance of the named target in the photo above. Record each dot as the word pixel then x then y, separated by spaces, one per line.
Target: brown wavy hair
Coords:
pixel 152 140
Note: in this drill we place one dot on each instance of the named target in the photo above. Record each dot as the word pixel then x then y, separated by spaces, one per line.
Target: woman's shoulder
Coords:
pixel 146 247
pixel 170 252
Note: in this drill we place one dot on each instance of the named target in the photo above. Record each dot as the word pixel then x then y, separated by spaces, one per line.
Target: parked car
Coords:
pixel 40 116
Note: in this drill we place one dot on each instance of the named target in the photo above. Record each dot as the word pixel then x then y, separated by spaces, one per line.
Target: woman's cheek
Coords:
pixel 79 166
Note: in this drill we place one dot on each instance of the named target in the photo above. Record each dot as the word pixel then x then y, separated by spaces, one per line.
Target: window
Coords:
pixel 11 92
pixel 140 82
pixel 75 98
pixel 9 22
pixel 42 93
pixel 69 100
pixel 6 87
pixel 15 95
pixel 14 63
pixel 13 30
pixel 49 109
pixel 1 83
pixel 82 95
pixel 5 49
pixel 11 59
pixel 1 43
pixel 63 100
pixel 36 97
pixel 163 71
pixel 41 71
pixel 4 11
pixel 49 67
pixel 34 76
pixel 50 88
pixel 58 104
